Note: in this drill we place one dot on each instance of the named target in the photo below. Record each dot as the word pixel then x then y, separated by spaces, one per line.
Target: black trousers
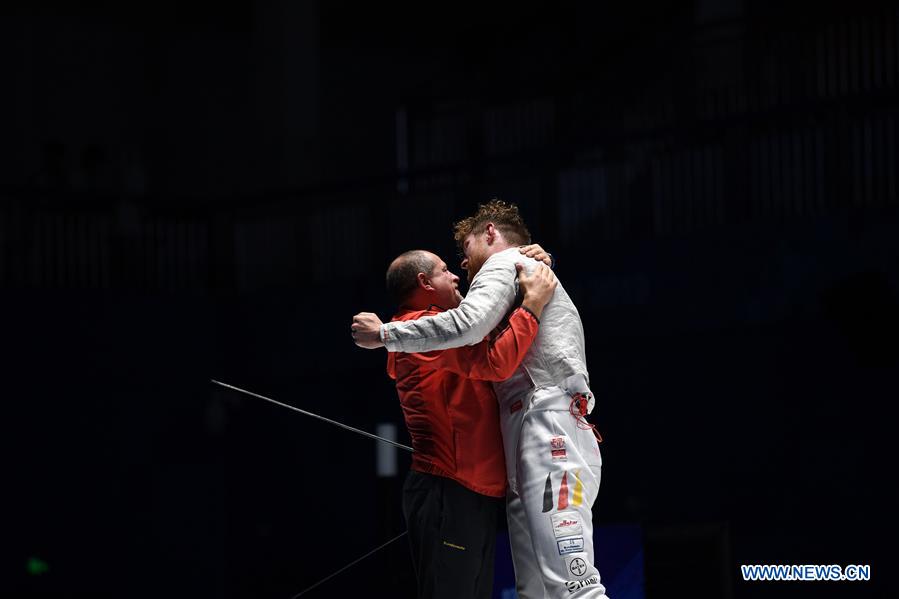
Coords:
pixel 452 533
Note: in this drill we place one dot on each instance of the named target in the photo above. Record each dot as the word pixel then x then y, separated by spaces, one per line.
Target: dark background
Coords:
pixel 198 190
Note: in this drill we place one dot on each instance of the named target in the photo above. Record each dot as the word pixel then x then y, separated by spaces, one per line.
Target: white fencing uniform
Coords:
pixel 552 463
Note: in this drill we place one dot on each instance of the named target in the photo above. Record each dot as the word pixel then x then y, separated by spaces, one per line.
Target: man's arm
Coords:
pixel 369 332
pixel 491 359
pixel 488 300
pixel 496 359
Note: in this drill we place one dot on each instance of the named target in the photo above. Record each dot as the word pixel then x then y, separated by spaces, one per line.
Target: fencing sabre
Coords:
pixel 343 426
pixel 290 407
pixel 330 576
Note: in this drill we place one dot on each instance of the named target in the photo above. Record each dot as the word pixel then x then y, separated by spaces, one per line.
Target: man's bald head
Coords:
pixel 402 275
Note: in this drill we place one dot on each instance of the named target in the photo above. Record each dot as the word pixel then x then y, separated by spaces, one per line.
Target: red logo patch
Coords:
pixel 515 407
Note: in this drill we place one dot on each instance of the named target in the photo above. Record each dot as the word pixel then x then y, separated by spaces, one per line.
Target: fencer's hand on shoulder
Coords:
pixel 366 330
pixel 538 287
pixel 537 253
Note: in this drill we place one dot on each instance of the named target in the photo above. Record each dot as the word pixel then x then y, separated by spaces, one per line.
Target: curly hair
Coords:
pixel 505 216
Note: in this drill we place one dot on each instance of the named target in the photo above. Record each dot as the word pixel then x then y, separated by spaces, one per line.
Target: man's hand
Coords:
pixel 538 287
pixel 366 330
pixel 537 253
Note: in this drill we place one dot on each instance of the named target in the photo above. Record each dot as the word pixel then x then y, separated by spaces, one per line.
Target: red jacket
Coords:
pixel 449 405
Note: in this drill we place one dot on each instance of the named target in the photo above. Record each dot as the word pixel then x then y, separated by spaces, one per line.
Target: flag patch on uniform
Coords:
pixel 578 498
pixel 548 494
pixel 563 492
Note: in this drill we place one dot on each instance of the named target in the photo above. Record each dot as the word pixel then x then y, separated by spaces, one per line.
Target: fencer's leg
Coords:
pixel 559 468
pixel 528 581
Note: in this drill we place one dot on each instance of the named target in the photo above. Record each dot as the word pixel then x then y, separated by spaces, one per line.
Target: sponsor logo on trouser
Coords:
pixel 577 566
pixel 576 585
pixel 570 545
pixel 566 524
